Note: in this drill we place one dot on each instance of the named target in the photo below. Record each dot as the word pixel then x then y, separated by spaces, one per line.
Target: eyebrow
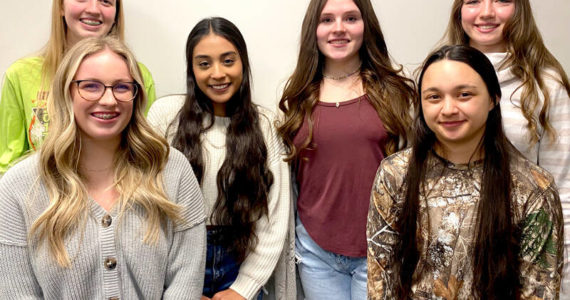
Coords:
pixel 459 87
pixel 354 11
pixel 221 55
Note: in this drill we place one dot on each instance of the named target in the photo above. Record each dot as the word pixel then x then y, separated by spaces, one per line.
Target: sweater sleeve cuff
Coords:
pixel 245 286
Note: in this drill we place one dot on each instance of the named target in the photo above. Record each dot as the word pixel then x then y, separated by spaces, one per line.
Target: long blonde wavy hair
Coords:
pixel 55 48
pixel 138 163
pixel 528 60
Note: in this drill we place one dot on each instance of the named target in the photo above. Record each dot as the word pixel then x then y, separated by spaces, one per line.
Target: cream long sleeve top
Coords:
pixel 554 157
pixel 109 259
pixel 270 230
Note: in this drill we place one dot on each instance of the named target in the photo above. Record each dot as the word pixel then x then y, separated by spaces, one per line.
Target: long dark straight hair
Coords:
pixel 496 240
pixel 244 179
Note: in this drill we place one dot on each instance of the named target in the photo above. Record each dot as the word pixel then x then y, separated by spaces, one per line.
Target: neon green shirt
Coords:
pixel 23 113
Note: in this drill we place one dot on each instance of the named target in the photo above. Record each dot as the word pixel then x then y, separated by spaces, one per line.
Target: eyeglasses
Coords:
pixel 93 90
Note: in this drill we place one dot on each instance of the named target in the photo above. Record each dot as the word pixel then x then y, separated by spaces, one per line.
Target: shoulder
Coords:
pixel 266 117
pixel 392 171
pixel 145 73
pixel 528 174
pixel 267 125
pixel 23 172
pixel 177 164
pixel 163 111
pixel 27 66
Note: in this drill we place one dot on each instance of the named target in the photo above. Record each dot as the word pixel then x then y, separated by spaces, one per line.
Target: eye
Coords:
pixel 352 19
pixel 123 87
pixel 90 86
pixel 465 95
pixel 327 20
pixel 203 64
pixel 107 2
pixel 432 97
pixel 228 61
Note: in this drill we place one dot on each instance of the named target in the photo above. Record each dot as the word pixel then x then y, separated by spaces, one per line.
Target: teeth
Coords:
pixel 220 86
pixel 339 42
pixel 91 22
pixel 105 116
pixel 487 26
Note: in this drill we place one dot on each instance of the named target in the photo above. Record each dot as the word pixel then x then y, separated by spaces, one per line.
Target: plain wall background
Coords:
pixel 156 31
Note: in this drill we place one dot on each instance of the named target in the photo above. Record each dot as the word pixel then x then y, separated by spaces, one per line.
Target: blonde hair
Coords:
pixel 138 163
pixel 529 59
pixel 55 48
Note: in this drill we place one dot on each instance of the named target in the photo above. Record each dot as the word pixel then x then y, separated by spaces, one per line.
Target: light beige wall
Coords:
pixel 157 31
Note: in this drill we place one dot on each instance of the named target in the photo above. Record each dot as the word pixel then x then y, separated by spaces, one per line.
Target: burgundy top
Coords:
pixel 335 177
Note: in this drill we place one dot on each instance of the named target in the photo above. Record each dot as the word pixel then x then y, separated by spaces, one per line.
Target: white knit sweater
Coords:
pixel 554 157
pixel 259 264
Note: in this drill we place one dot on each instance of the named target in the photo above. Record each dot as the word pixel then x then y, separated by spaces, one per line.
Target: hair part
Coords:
pixel 529 60
pixel 244 179
pixel 138 163
pixel 390 93
pixel 496 239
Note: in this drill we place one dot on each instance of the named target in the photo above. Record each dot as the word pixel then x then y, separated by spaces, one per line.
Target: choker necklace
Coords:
pixel 342 76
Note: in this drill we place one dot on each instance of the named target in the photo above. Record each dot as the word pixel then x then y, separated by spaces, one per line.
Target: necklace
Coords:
pixel 340 77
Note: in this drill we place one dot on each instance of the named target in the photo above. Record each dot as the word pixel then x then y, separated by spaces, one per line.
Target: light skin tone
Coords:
pixel 484 21
pixel 218 70
pixel 88 18
pixel 339 38
pixel 101 123
pixel 455 104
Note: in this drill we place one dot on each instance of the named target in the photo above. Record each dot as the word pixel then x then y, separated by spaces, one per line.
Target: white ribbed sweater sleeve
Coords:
pixel 552 156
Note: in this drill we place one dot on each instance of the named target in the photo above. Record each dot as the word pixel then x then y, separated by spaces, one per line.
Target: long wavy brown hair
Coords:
pixel 529 59
pixel 390 93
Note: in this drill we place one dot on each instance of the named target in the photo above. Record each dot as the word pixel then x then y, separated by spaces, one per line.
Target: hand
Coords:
pixel 228 294
pixel 205 298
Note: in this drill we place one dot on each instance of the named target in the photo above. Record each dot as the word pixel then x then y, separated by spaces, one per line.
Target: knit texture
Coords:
pixel 107 252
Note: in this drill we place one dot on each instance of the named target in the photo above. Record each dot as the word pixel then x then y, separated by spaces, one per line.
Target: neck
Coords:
pixel 460 153
pixel 339 68
pixel 96 158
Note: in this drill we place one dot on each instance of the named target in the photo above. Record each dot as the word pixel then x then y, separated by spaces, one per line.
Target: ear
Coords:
pixel 493 103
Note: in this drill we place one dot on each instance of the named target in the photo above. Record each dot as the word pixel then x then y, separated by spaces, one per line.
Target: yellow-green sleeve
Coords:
pixel 148 83
pixel 13 141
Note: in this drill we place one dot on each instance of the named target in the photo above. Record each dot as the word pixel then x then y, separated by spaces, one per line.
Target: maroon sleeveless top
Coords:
pixel 336 173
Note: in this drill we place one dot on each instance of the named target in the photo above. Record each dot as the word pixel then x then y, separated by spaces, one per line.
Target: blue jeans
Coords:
pixel 222 268
pixel 327 275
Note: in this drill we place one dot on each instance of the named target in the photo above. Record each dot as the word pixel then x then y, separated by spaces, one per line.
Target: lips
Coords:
pixel 220 87
pixel 339 41
pixel 91 22
pixel 105 115
pixel 451 124
pixel 486 27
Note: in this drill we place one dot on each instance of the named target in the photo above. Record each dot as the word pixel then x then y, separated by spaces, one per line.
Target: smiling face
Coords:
pixel 455 104
pixel 105 119
pixel 88 18
pixel 218 70
pixel 484 20
pixel 340 30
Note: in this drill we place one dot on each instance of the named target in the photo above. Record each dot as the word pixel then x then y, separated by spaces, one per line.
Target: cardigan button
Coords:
pixel 106 221
pixel 113 298
pixel 110 263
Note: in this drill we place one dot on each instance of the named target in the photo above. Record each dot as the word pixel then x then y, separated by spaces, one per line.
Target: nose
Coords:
pixel 338 25
pixel 217 72
pixel 488 9
pixel 108 99
pixel 449 108
pixel 92 6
